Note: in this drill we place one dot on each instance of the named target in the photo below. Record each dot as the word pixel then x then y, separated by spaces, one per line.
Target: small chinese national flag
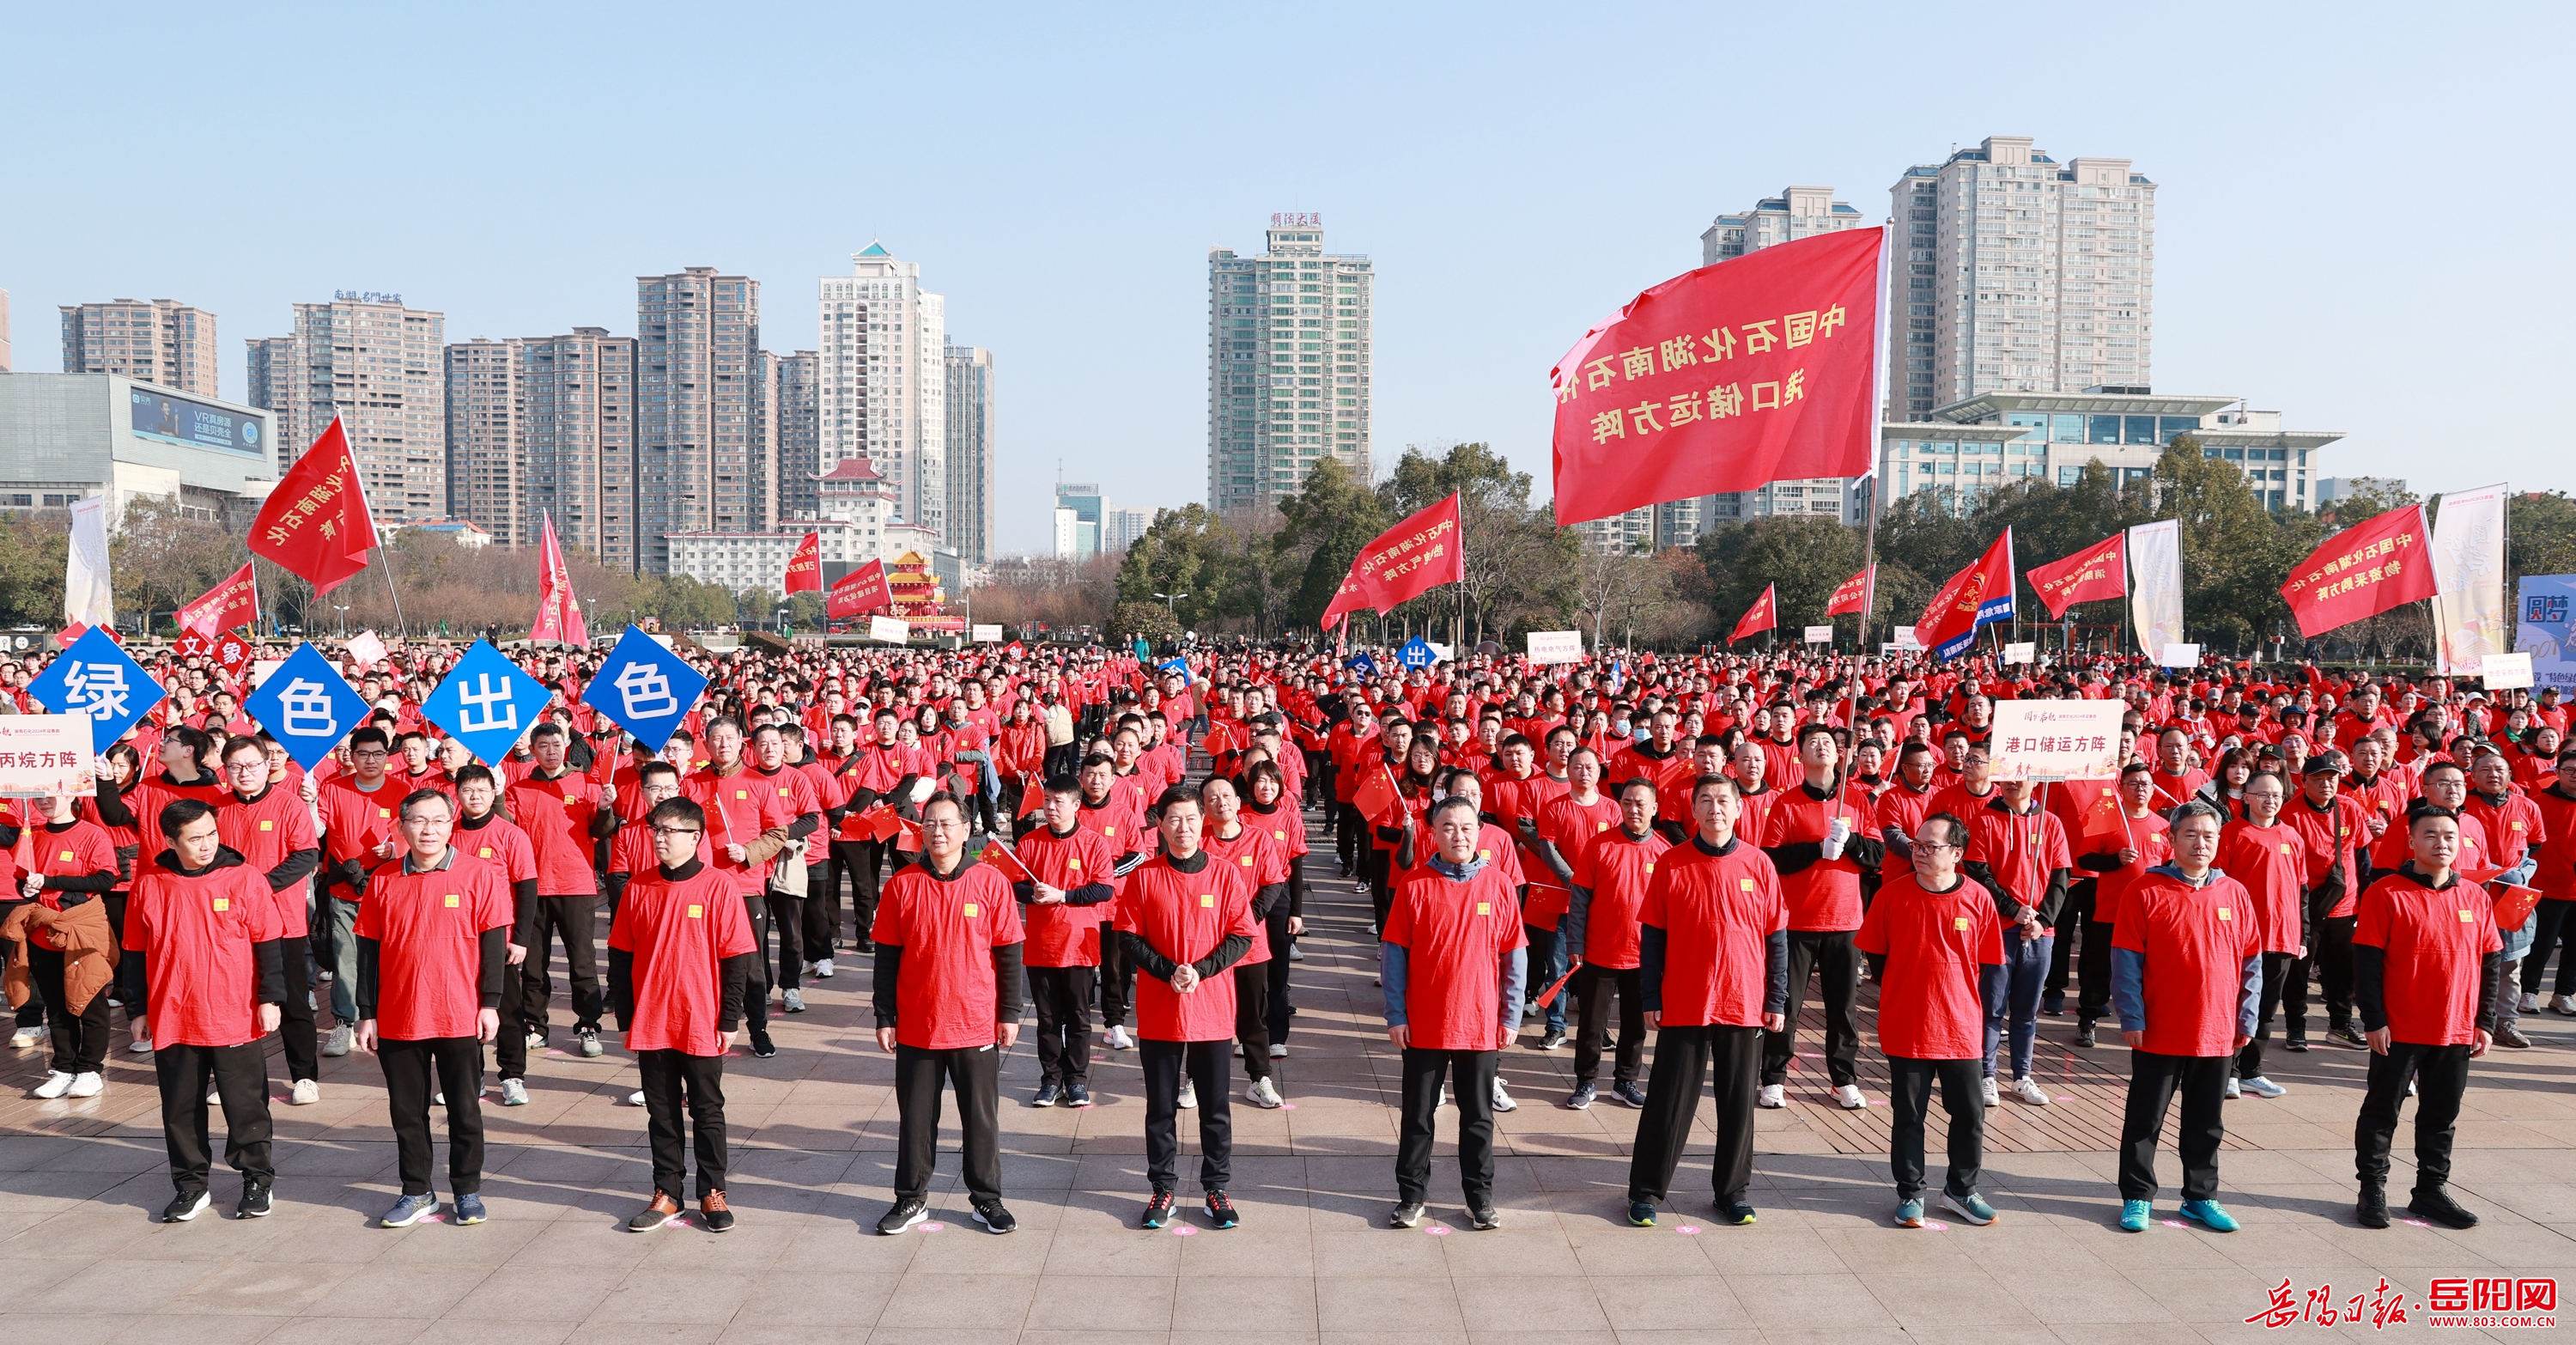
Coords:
pixel 1761 616
pixel 1000 857
pixel 1377 798
pixel 2104 820
pixel 315 523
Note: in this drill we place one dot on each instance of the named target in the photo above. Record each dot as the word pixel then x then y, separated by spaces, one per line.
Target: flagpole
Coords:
pixel 401 627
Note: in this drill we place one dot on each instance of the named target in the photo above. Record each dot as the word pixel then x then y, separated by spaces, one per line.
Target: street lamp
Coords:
pixel 343 610
pixel 590 614
pixel 1171 603
pixel 782 619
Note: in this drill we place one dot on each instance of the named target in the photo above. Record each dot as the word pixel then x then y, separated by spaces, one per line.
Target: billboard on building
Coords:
pixel 2545 628
pixel 166 417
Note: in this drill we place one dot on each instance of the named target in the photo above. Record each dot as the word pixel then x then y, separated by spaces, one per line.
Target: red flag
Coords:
pixel 233 602
pixel 859 592
pixel 1852 594
pixel 1377 797
pixel 1000 857
pixel 2362 572
pixel 558 611
pixel 1762 615
pixel 2098 571
pixel 316 523
pixel 1405 561
pixel 2514 905
pixel 1981 593
pixel 1753 370
pixel 2105 819
pixel 805 568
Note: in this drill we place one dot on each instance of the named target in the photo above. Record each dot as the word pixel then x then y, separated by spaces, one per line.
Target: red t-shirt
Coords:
pixel 196 934
pixel 2152 837
pixel 1061 935
pixel 1571 827
pixel 947 927
pixel 1617 867
pixel 500 843
pixel 739 808
pixel 1826 894
pixel 265 831
pixel 81 849
pixel 2556 874
pixel 428 928
pixel 680 931
pixel 1259 862
pixel 2326 834
pixel 2196 941
pixel 147 800
pixel 2434 940
pixel 355 821
pixel 1455 936
pixel 1184 916
pixel 554 816
pixel 1718 913
pixel 1114 819
pixel 1929 1003
pixel 2270 862
pixel 2021 849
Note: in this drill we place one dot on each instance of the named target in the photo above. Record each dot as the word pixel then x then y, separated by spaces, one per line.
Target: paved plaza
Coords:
pixel 81 1259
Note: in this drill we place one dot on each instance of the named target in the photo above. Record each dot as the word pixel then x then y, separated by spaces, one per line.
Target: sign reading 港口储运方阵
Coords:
pixel 2056 740
pixel 889 630
pixel 45 755
pixel 2023 651
pixel 1556 646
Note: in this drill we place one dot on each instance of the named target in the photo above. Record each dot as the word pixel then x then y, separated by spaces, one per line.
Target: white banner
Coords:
pixel 1819 635
pixel 2179 656
pixel 2155 583
pixel 88 597
pixel 2026 651
pixel 988 634
pixel 891 630
pixel 2057 740
pixel 2469 615
pixel 1556 646
pixel 1903 637
pixel 2503 672
pixel 45 755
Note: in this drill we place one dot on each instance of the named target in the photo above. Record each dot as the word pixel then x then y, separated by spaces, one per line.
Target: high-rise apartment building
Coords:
pixel 486 471
pixel 883 380
pixel 577 442
pixel 800 460
pixel 764 439
pixel 381 368
pixel 2020 274
pixel 696 334
pixel 161 341
pixel 1288 364
pixel 972 518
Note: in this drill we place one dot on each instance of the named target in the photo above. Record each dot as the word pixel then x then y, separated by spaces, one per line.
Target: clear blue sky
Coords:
pixel 2362 216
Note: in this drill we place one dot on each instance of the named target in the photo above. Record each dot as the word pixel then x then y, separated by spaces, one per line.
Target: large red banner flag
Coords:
pixel 805 568
pixel 1405 561
pixel 558 611
pixel 1761 616
pixel 2362 571
pixel 1981 593
pixel 1852 594
pixel 859 592
pixel 1721 379
pixel 315 523
pixel 2097 571
pixel 234 602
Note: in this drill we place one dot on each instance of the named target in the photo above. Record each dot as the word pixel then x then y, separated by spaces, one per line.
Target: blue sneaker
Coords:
pixel 1971 1208
pixel 1641 1214
pixel 1628 1091
pixel 469 1209
pixel 411 1210
pixel 2135 1215
pixel 1581 1097
pixel 2207 1214
pixel 1909 1213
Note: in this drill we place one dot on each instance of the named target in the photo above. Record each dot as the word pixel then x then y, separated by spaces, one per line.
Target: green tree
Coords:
pixel 1518 565
pixel 1321 530
pixel 1185 551
pixel 33 550
pixel 1807 557
pixel 1150 619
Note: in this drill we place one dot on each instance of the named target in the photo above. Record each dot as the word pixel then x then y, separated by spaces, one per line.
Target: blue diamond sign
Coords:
pixel 645 688
pixel 1417 654
pixel 307 706
pixel 487 703
pixel 1362 664
pixel 96 678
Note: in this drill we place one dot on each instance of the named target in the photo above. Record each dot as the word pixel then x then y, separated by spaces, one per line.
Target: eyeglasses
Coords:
pixel 677 831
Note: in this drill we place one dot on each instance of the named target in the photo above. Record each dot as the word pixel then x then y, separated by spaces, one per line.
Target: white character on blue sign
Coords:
pixel 484 696
pixel 306 707
pixel 645 690
pixel 98 688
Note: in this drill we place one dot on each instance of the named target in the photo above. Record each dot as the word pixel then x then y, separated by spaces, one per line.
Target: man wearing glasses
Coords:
pixel 356 811
pixel 272 830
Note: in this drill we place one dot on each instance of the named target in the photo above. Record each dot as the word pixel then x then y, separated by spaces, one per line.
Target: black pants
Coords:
pixel 296 1031
pixel 1275 993
pixel 573 919
pixel 672 1080
pixel 1593 986
pixel 1117 980
pixel 1683 1056
pixel 1062 997
pixel 975 1072
pixel 787 921
pixel 755 996
pixel 414 1071
pixel 241 1079
pixel 1063 758
pixel 1471 1080
pixel 2153 1079
pixel 1163 1062
pixel 80 1040
pixel 2331 956
pixel 2072 916
pixel 1909 1096
pixel 129 971
pixel 510 1047
pixel 2547 933
pixel 2093 968
pixel 855 861
pixel 1831 954
pixel 2276 978
pixel 1252 1012
pixel 1351 837
pixel 2441 1075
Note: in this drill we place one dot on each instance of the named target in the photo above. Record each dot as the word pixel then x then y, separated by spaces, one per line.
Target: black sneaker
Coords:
pixel 1076 1095
pixel 1484 1217
pixel 255 1201
pixel 1641 1213
pixel 904 1215
pixel 185 1206
pixel 2298 1044
pixel 2349 1035
pixel 1048 1096
pixel 1735 1212
pixel 2053 1003
pixel 714 1215
pixel 996 1217
pixel 761 1045
pixel 2084 1034
pixel 2371 1211
pixel 1407 1214
pixel 1221 1210
pixel 2437 1205
pixel 1159 1209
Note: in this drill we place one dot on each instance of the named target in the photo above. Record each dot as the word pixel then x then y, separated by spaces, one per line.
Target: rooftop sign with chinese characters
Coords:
pixel 365 297
pixel 1297 219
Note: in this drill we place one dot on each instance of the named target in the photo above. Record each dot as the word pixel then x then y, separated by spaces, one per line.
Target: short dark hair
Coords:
pixel 1450 804
pixel 178 813
pixel 370 736
pixel 677 810
pixel 421 795
pixel 246 740
pixel 472 771
pixel 1707 781
pixel 1181 793
pixel 546 728
pixel 649 769
pixel 1954 832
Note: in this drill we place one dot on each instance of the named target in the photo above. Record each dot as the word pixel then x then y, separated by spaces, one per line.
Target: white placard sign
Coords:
pixel 1556 646
pixel 2503 672
pixel 45 755
pixel 1904 637
pixel 367 648
pixel 261 668
pixel 891 630
pixel 2025 651
pixel 2180 656
pixel 2057 740
pixel 988 634
pixel 1819 635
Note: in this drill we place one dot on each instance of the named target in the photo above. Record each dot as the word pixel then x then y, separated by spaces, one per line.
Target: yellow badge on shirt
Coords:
pixel 1959 922
pixel 484 853
pixel 1650 866
pixel 2285 847
pixel 226 904
pixel 782 793
pixel 2226 914
pixel 1744 884
pixel 2467 919
pixel 1484 908
pixel 970 910
pixel 1207 901
pixel 1074 864
pixel 697 912
pixel 1279 835
pixel 1109 831
pixel 570 799
pixel 452 901
pixel 67 856
pixel 384 812
pixel 1600 826
pixel 742 793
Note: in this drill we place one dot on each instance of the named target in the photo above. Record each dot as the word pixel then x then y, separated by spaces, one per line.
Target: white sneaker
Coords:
pixel 2232 1091
pixel 514 1092
pixel 1238 1050
pixel 2530 1003
pixel 27 1037
pixel 55 1085
pixel 2027 1089
pixel 1994 1096
pixel 311 1005
pixel 1263 1093
pixel 1774 1096
pixel 438 1098
pixel 794 1001
pixel 2260 1086
pixel 142 1043
pixel 2565 1004
pixel 1118 1040
pixel 1189 1094
pixel 306 1093
pixel 824 968
pixel 87 1084
pixel 1849 1096
pixel 337 1044
pixel 1278 1050
pixel 1503 1100
pixel 1296 954
pixel 214 1096
pixel 536 1040
pixel 636 1098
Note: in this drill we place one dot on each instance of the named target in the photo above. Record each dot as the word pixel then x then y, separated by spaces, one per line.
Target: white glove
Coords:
pixel 1835 834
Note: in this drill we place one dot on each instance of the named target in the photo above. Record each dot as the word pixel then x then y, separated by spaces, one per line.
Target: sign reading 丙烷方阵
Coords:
pixel 2056 740
pixel 168 418
pixel 45 755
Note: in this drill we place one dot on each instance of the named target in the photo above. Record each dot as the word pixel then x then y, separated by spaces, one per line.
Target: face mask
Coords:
pixel 1620 728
